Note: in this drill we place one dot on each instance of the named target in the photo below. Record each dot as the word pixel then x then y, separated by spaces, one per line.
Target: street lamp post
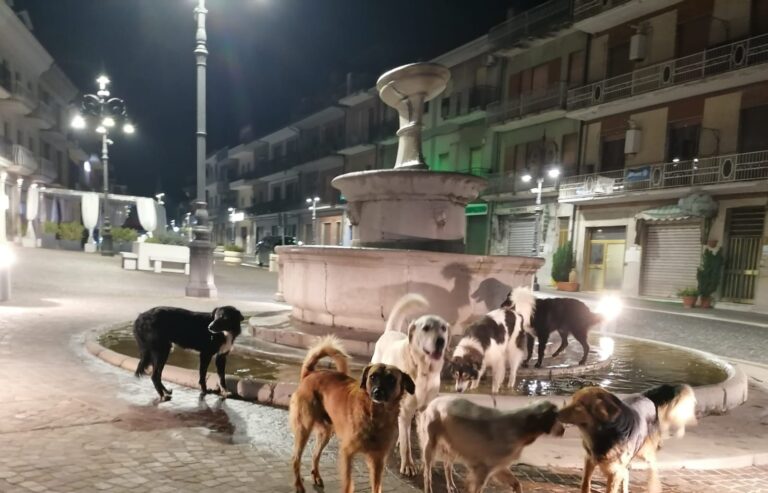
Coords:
pixel 107 112
pixel 313 207
pixel 201 283
pixel 553 173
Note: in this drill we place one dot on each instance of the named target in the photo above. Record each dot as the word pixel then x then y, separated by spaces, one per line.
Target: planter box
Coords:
pixel 123 246
pixel 169 253
pixel 48 240
pixel 71 245
pixel 235 258
pixel 568 286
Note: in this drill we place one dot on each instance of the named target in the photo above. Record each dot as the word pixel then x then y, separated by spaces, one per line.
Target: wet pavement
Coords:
pixel 71 423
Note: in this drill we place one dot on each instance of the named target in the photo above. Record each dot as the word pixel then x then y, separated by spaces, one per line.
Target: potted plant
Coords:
pixel 71 236
pixel 689 296
pixel 123 238
pixel 50 231
pixel 233 254
pixel 562 264
pixel 708 275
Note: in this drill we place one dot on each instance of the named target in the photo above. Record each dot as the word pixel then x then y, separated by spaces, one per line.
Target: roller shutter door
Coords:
pixel 520 236
pixel 670 258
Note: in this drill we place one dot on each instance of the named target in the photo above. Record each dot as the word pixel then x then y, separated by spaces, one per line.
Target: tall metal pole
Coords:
pixel 201 284
pixel 314 222
pixel 536 226
pixel 106 226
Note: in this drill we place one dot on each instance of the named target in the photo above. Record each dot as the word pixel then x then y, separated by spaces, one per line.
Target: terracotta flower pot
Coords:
pixel 567 286
pixel 689 301
pixel 705 302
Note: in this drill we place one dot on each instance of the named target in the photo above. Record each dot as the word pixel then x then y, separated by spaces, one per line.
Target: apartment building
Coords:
pixel 674 107
pixel 36 148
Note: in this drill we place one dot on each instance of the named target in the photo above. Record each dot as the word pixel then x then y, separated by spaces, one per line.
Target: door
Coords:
pixel 477 229
pixel 326 234
pixel 605 256
pixel 520 235
pixel 671 256
pixel 742 254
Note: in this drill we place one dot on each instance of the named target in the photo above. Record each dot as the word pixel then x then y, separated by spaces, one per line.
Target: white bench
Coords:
pixel 157 263
pixel 130 260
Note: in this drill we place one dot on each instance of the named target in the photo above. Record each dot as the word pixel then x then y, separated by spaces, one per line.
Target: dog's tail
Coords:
pixel 144 355
pixel 524 302
pixel 144 363
pixel 330 347
pixel 405 306
pixel 675 407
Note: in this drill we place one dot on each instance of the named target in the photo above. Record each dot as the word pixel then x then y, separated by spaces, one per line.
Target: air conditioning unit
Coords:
pixel 637 47
pixel 490 60
pixel 632 141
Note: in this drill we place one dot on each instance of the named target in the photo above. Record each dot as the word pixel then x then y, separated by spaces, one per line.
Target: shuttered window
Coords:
pixel 520 236
pixel 671 256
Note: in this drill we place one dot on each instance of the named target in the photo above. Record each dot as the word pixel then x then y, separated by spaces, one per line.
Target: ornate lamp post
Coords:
pixel 106 112
pixel 553 173
pixel 313 207
pixel 201 283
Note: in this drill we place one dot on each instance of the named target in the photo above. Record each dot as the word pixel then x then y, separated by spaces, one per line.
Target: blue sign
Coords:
pixel 642 173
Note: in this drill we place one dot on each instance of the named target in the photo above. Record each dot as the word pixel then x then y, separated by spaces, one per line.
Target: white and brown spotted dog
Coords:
pixel 420 354
pixel 493 342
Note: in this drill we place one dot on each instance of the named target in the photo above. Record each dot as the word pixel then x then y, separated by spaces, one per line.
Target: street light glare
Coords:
pixel 103 80
pixel 309 201
pixel 87 166
pixel 317 199
pixel 78 122
pixel 101 129
pixel 554 172
pixel 526 177
pixel 108 122
pixel 129 128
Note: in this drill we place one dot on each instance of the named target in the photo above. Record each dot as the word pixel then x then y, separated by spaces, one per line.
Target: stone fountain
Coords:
pixel 408 226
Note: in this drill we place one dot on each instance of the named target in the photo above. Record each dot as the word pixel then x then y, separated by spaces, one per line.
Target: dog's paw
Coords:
pixel 317 479
pixel 165 398
pixel 409 469
pixel 524 364
pixel 223 393
pixel 537 365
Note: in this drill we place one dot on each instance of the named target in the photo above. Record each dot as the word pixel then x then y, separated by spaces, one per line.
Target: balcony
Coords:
pixel 468 104
pixel 505 184
pixel 704 172
pixel 23 162
pixel 537 22
pixel 700 73
pixel 44 116
pixel 5 82
pixel 598 15
pixel 20 99
pixel 275 206
pixel 47 172
pixel 548 103
pixel 6 152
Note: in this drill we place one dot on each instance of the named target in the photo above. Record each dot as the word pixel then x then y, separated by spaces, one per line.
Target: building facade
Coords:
pixel 36 146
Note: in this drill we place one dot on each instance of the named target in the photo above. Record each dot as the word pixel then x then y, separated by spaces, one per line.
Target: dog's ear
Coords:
pixel 407 383
pixel 214 312
pixel 507 303
pixel 607 408
pixel 411 328
pixel 364 377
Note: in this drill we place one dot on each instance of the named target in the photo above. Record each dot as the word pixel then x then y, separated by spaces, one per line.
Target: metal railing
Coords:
pixel 468 100
pixel 550 98
pixel 24 159
pixel 747 166
pixel 726 58
pixel 500 183
pixel 587 8
pixel 531 23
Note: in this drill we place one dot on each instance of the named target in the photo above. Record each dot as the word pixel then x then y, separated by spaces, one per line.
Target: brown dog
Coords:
pixel 615 431
pixel 363 415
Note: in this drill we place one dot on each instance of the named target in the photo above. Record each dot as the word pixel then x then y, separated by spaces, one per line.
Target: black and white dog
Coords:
pixel 542 316
pixel 490 343
pixel 207 333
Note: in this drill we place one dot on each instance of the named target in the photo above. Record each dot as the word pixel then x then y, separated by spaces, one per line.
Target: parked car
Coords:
pixel 267 245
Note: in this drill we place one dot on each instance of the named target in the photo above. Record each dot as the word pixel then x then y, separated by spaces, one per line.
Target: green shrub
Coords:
pixel 562 262
pixel 50 227
pixel 708 274
pixel 168 239
pixel 124 235
pixel 233 248
pixel 689 291
pixel 71 231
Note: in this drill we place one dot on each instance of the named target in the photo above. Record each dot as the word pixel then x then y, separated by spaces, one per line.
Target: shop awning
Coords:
pixel 664 213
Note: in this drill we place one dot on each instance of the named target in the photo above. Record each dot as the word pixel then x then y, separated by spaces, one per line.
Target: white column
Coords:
pixel 3 206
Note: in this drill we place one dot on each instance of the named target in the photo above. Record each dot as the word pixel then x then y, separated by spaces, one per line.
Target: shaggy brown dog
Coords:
pixel 363 414
pixel 615 431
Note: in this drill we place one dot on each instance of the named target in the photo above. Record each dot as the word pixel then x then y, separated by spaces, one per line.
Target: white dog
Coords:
pixel 490 343
pixel 486 440
pixel 419 353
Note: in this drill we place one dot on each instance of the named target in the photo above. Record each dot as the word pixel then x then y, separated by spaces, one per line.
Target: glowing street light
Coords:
pixel 78 122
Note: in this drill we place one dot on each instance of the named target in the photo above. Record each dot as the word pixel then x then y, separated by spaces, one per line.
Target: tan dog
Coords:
pixel 362 414
pixel 615 431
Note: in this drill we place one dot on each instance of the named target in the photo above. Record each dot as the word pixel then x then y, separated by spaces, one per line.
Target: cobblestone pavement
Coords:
pixel 71 423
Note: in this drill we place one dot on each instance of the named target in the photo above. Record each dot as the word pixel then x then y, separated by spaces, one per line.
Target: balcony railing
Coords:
pixel 748 166
pixel 722 59
pixel 505 183
pixel 587 8
pixel 550 98
pixel 534 22
pixel 24 160
pixel 468 100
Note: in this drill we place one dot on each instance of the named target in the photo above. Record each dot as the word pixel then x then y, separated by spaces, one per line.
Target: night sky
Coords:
pixel 266 56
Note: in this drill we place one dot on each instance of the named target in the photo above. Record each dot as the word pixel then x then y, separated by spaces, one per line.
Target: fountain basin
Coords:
pixel 409 208
pixel 357 287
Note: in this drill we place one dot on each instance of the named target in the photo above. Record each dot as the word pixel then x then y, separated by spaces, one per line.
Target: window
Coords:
pixel 275 230
pixel 445 107
pixel 290 191
pixel 576 68
pixel 32 144
pixel 276 192
pixel 259 232
pixel 514 86
pixel 618 60
pixel 693 36
pixel 752 127
pixel 46 150
pixel 759 17
pixel 613 154
pixel 563 234
pixel 7 130
pixel 683 142
pixel 476 161
pixel 570 152
pixel 443 161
